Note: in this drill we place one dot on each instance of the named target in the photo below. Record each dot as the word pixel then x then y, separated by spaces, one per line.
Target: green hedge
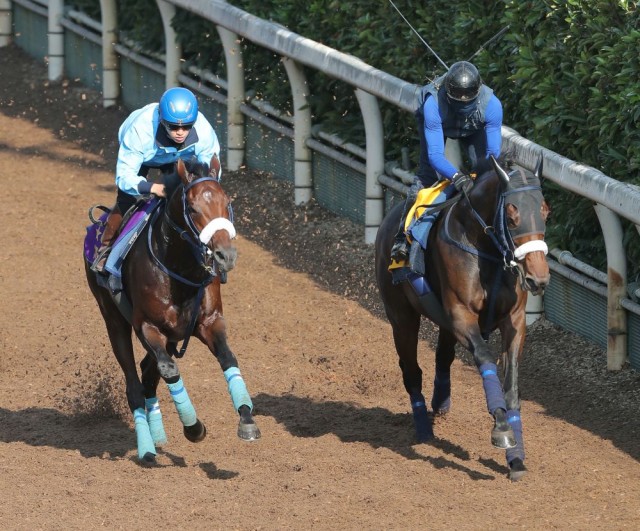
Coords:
pixel 567 72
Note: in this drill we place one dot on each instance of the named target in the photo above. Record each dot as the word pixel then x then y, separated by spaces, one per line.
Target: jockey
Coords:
pixel 156 136
pixel 457 105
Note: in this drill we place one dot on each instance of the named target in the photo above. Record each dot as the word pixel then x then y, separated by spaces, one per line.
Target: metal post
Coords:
pixel 303 177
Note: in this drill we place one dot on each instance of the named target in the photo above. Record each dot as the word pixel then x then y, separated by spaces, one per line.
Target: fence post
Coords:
pixel 5 23
pixel 56 40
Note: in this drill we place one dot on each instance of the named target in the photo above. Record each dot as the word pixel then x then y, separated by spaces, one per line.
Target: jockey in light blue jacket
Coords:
pixel 156 136
pixel 144 143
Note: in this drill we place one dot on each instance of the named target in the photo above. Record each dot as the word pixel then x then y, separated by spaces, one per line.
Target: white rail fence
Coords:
pixel 612 199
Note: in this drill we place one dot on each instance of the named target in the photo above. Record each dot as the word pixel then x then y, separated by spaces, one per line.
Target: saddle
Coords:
pixel 419 220
pixel 133 223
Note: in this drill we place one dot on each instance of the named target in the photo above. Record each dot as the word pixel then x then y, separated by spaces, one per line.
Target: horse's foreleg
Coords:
pixel 513 341
pixel 215 338
pixel 502 435
pixel 194 430
pixel 150 379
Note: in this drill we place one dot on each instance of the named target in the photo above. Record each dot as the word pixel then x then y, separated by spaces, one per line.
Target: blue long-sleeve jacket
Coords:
pixel 438 111
pixel 144 141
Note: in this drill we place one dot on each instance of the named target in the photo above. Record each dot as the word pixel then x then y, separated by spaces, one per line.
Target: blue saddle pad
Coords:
pixel 128 236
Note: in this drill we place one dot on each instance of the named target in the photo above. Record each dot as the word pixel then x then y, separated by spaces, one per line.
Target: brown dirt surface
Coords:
pixel 305 321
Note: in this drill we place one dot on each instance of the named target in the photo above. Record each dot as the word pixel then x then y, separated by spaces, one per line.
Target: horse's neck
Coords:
pixel 467 222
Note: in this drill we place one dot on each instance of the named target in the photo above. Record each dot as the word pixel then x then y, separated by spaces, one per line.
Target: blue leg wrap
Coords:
pixel 492 387
pixel 441 400
pixel 514 420
pixel 143 435
pixel 421 420
pixel 237 388
pixel 183 404
pixel 154 418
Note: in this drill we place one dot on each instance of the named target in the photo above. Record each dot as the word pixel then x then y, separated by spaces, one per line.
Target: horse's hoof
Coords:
pixel 195 433
pixel 517 470
pixel 503 439
pixel 248 432
pixel 442 409
pixel 148 459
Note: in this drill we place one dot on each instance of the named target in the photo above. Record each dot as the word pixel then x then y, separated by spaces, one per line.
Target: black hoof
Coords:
pixel 148 459
pixel 503 439
pixel 248 431
pixel 517 470
pixel 195 433
pixel 442 409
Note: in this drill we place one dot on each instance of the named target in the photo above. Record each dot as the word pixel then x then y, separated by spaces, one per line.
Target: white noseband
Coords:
pixel 214 226
pixel 530 247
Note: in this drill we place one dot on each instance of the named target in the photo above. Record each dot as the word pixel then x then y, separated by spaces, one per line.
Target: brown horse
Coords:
pixel 485 252
pixel 171 281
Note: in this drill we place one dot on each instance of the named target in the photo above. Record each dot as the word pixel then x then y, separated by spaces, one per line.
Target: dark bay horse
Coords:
pixel 485 252
pixel 171 279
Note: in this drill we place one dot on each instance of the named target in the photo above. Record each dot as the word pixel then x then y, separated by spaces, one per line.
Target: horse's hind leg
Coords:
pixel 445 354
pixel 119 331
pixel 405 337
pixel 150 379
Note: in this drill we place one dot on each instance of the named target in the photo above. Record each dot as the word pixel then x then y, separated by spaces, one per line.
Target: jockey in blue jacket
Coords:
pixel 156 136
pixel 457 105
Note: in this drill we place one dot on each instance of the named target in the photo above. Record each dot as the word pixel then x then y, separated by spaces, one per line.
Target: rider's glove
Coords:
pixel 462 182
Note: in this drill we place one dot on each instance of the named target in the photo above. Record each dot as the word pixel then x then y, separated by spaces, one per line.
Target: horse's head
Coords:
pixel 207 213
pixel 525 216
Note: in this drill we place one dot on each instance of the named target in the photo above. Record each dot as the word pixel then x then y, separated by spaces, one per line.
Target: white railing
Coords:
pixel 613 199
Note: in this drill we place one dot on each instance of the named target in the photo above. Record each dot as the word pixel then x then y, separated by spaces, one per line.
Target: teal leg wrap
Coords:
pixel 183 403
pixel 237 388
pixel 154 418
pixel 143 435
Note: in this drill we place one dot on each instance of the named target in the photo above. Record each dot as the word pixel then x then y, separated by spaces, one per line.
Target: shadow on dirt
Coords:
pixel 49 427
pixel 105 438
pixel 377 427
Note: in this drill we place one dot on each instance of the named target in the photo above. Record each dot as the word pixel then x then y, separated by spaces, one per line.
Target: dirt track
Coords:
pixel 337 450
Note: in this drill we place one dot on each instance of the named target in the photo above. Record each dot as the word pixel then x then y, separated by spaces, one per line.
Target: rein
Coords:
pixel 200 251
pixel 503 241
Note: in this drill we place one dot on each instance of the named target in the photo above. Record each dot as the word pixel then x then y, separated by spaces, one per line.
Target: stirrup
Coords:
pixel 100 261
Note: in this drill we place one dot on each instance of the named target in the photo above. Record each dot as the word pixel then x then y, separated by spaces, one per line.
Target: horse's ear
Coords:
pixel 538 170
pixel 214 167
pixel 181 168
pixel 504 176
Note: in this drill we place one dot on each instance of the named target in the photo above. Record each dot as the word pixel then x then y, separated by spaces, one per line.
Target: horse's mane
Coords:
pixel 194 167
pixel 197 168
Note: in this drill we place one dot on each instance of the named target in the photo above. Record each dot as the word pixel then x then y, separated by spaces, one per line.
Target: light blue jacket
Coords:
pixel 144 141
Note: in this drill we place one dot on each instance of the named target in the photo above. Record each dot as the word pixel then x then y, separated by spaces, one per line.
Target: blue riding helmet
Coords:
pixel 178 106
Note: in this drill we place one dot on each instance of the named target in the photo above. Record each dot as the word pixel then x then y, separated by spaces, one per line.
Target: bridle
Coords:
pixel 198 240
pixel 504 238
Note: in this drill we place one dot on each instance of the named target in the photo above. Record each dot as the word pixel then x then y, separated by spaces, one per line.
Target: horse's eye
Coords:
pixel 191 210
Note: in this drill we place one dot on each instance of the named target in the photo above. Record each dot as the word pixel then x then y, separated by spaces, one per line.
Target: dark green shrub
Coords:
pixel 567 72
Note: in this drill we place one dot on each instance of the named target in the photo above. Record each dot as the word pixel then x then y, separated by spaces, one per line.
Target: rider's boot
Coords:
pixel 400 249
pixel 111 226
